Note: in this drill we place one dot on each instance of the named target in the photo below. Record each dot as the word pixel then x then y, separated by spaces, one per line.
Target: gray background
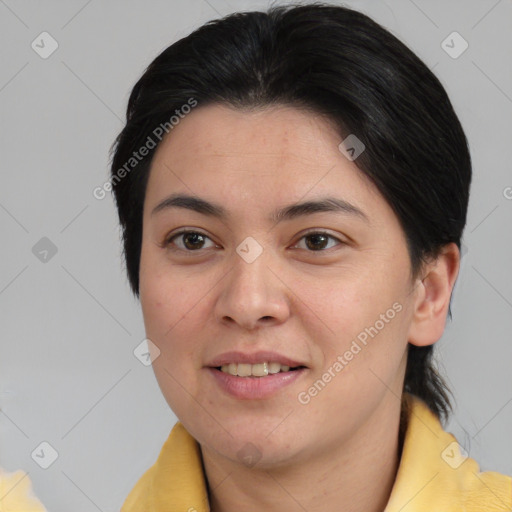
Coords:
pixel 69 325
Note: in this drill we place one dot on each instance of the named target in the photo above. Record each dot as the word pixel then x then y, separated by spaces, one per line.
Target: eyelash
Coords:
pixel 168 241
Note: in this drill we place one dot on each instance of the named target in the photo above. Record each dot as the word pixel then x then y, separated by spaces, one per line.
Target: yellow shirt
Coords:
pixel 434 474
pixel 16 493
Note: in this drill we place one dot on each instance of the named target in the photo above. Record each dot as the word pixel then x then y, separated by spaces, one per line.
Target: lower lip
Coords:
pixel 254 388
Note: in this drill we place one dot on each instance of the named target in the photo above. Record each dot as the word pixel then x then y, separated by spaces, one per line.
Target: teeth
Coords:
pixel 254 370
pixel 274 367
pixel 244 370
pixel 258 370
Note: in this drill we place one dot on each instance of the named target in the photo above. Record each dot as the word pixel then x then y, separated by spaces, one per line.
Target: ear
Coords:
pixel 433 290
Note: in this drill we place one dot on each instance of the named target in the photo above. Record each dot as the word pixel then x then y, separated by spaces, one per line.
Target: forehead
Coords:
pixel 220 130
pixel 272 155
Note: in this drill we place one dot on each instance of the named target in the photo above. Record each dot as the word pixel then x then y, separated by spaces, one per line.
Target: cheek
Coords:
pixel 166 298
pixel 351 301
pixel 169 324
pixel 363 315
pixel 168 305
pixel 169 319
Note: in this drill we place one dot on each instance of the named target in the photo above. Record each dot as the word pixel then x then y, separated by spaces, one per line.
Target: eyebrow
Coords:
pixel 289 212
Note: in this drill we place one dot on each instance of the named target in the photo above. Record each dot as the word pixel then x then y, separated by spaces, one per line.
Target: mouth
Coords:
pixel 255 377
pixel 257 370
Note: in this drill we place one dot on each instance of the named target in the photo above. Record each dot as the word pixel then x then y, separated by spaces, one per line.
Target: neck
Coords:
pixel 354 476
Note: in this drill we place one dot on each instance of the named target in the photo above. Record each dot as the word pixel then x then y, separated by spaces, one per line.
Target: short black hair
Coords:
pixel 333 61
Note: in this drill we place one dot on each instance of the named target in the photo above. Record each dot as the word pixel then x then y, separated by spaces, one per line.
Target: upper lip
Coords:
pixel 256 357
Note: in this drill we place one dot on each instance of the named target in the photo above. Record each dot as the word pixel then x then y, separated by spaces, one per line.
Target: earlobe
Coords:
pixel 433 293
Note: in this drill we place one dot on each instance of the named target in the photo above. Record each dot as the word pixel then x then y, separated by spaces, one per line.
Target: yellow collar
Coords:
pixel 433 474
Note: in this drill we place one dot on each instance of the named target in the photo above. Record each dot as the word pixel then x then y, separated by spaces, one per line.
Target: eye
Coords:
pixel 191 240
pixel 318 240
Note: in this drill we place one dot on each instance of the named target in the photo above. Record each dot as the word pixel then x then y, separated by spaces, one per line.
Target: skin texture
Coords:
pixel 303 298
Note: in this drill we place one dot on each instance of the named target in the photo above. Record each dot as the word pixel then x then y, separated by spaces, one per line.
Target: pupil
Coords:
pixel 316 237
pixel 188 236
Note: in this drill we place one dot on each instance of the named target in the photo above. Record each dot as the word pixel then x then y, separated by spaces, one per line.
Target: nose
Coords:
pixel 253 294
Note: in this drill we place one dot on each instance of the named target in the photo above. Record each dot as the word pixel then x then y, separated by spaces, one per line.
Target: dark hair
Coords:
pixel 334 61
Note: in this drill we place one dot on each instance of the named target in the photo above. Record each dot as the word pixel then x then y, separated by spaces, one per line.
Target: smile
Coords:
pixel 255 370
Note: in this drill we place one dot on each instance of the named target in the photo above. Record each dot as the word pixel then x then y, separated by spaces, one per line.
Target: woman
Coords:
pixel 292 188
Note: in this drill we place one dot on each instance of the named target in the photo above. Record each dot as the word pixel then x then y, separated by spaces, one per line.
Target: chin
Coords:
pixel 253 446
pixel 260 455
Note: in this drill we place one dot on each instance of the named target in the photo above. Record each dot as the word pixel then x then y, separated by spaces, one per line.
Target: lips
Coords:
pixel 240 374
pixel 254 388
pixel 253 359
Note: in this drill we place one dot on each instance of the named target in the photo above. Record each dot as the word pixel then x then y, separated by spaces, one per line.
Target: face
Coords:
pixel 325 291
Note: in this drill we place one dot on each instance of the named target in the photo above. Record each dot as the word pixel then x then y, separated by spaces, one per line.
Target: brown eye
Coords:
pixel 317 241
pixel 190 240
